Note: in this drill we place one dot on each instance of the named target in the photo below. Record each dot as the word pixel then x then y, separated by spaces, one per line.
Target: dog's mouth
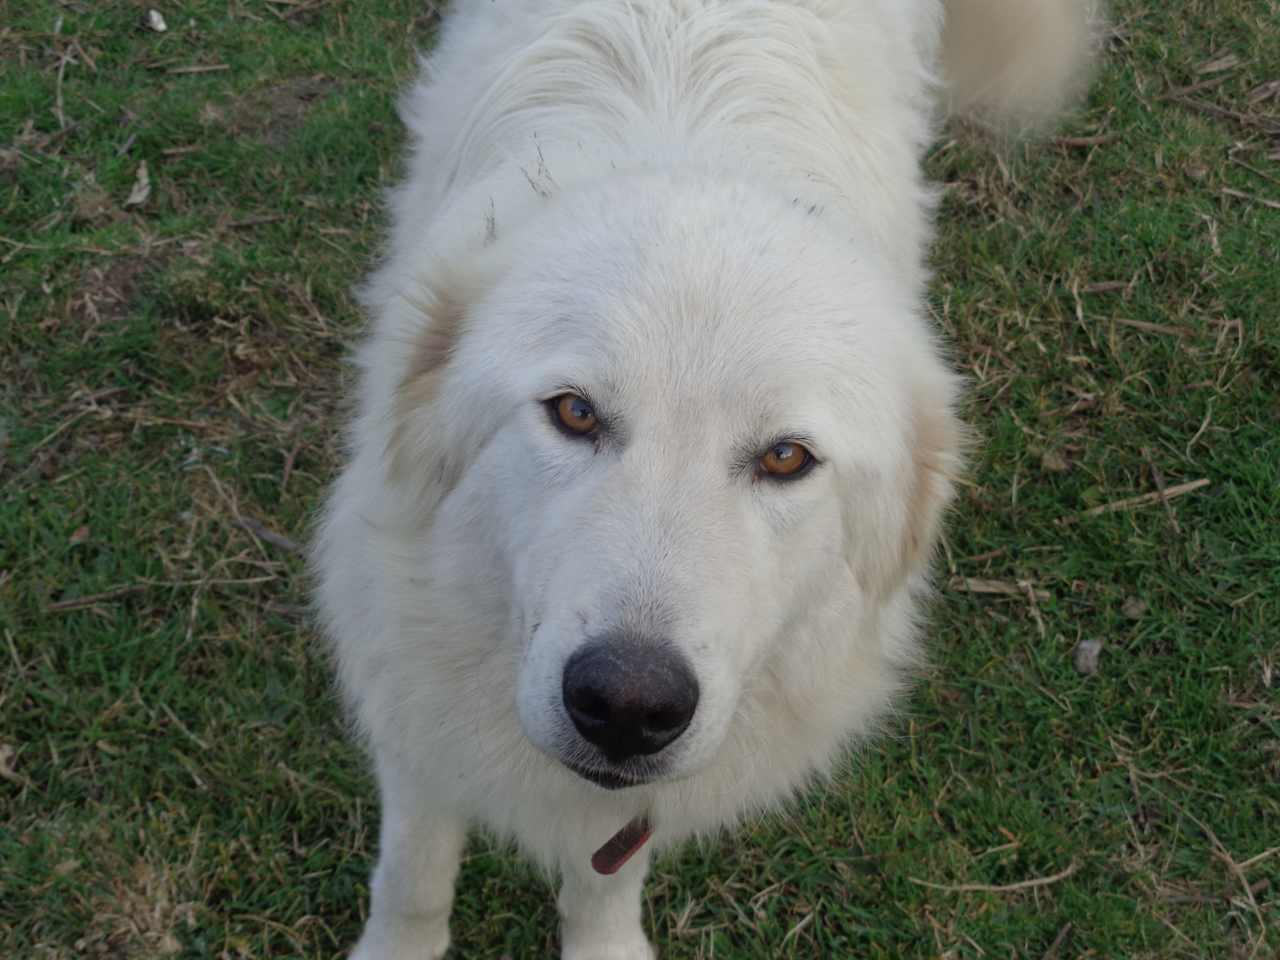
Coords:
pixel 608 779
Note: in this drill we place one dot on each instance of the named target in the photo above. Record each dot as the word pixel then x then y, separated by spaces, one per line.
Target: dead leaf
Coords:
pixel 1085 657
pixel 80 535
pixel 141 187
pixel 66 867
pixel 1134 608
pixel 1054 462
pixel 7 772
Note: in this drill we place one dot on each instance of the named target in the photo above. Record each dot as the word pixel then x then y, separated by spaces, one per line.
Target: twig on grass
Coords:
pixel 57 99
pixel 1081 142
pixel 1147 327
pixel 1158 476
pixel 1204 425
pixel 288 464
pixel 1257 859
pixel 1144 500
pixel 1241 195
pixel 118 593
pixel 1106 286
pixel 1215 899
pixel 295 7
pixel 76 603
pixel 1254 170
pixel 1030 592
pixel 199 68
pixel 183 727
pixel 1058 941
pixel 65 425
pixel 1002 588
pixel 267 535
pixel 1000 887
pixel 984 557
pixel 254 221
pixel 1180 93
pixel 1263 123
pixel 13 652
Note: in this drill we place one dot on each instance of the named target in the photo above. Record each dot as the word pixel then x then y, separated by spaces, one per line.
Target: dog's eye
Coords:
pixel 573 415
pixel 785 461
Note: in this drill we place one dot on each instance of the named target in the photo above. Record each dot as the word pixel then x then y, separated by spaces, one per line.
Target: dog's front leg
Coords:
pixel 412 889
pixel 600 917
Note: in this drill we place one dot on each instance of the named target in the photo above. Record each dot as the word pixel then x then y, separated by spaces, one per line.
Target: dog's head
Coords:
pixel 691 439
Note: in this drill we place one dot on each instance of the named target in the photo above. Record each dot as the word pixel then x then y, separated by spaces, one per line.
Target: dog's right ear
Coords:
pixel 422 460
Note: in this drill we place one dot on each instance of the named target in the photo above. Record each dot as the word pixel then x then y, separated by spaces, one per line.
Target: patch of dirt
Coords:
pixel 29 143
pixel 212 115
pixel 274 115
pixel 107 292
pixel 91 204
pixel 140 916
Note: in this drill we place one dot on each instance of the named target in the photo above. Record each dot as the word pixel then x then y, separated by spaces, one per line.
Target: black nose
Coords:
pixel 629 697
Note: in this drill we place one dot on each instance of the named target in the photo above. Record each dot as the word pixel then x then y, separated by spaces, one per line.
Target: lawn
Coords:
pixel 1089 768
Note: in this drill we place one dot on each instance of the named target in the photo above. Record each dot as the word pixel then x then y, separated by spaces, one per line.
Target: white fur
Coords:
pixel 710 215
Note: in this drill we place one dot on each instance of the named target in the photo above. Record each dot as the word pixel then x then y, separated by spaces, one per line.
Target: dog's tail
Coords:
pixel 1017 63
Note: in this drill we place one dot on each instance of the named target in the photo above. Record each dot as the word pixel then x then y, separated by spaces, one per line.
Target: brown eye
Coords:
pixel 785 461
pixel 573 414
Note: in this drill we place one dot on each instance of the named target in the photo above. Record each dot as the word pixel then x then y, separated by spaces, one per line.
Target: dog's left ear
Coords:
pixel 936 455
pixel 910 522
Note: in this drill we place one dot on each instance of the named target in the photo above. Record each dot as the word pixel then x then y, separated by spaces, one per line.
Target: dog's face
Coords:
pixel 683 428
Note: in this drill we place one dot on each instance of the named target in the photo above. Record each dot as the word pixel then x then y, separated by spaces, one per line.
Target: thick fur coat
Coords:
pixel 705 222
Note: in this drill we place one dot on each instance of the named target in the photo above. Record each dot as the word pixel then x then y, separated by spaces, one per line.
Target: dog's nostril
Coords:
pixel 664 719
pixel 588 702
pixel 629 697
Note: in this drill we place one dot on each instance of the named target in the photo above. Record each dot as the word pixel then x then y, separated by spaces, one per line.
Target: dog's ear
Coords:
pixel 910 522
pixel 422 458
pixel 936 455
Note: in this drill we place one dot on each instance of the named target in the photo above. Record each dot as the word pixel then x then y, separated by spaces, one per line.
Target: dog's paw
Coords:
pixel 621 948
pixel 404 938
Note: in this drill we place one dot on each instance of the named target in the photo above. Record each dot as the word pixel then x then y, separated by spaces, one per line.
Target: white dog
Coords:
pixel 652 437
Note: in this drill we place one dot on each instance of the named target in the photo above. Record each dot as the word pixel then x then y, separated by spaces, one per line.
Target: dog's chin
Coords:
pixel 608 779
pixel 628 776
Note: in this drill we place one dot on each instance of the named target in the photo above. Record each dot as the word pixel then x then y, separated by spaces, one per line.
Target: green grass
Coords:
pixel 175 778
